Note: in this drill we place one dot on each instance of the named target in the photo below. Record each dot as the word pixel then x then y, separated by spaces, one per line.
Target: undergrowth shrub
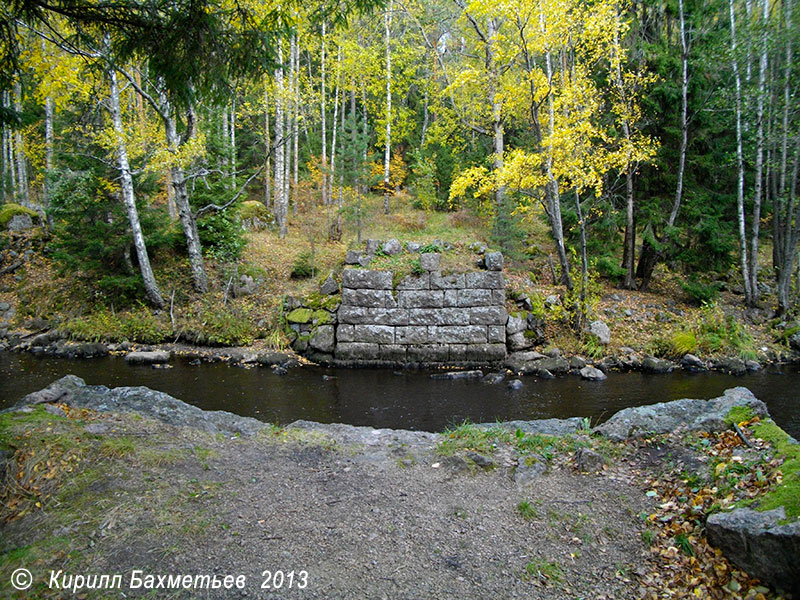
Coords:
pixel 712 332
pixel 700 292
pixel 214 324
pixel 138 325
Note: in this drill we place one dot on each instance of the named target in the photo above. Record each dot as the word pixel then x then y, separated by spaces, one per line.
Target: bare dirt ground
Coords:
pixel 333 511
pixel 389 520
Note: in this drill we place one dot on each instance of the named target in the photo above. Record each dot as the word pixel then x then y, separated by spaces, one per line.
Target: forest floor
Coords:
pixel 355 513
pixel 663 321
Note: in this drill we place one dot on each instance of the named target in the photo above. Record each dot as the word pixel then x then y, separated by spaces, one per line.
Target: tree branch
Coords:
pixel 236 196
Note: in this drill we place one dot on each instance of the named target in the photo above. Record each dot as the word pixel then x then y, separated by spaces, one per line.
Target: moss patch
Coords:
pixel 10 210
pixel 300 315
pixel 321 317
pixel 787 494
pixel 739 414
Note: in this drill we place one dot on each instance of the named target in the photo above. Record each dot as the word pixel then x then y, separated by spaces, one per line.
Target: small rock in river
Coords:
pixel 515 384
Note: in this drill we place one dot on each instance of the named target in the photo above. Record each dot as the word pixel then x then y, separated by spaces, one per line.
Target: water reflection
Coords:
pixel 406 399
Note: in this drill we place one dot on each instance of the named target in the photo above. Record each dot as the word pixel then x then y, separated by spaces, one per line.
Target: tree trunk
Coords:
pixel 748 294
pixel 551 190
pixel 22 164
pixel 629 250
pixel 281 204
pixel 323 109
pixel 150 285
pixel 10 164
pixel 4 182
pixel 759 166
pixel 188 221
pixel 581 315
pixel 48 144
pixel 387 155
pixel 232 147
pixel 268 149
pixel 333 232
pixel 295 124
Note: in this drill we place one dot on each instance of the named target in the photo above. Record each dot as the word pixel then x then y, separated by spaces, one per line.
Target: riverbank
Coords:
pixel 499 512
pixel 248 301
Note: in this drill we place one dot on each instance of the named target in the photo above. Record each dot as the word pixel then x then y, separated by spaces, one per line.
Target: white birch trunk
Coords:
pixel 5 184
pixel 387 155
pixel 787 80
pixel 19 152
pixel 268 150
pixel 740 161
pixel 150 285
pixel 554 199
pixel 759 166
pixel 323 110
pixel 281 204
pixel 332 176
pixel 295 123
pixel 684 119
pixel 233 143
pixel 11 164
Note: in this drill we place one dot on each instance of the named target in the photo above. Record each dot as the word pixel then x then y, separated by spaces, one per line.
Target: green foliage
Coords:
pixel 649 537
pixel 91 235
pixel 10 210
pixel 470 437
pixel 251 209
pixel 221 234
pixel 431 247
pixel 609 267
pixel 684 342
pixel 139 325
pixel 739 414
pixel 542 569
pixel 216 325
pixel 303 266
pixel 527 510
pixel 712 332
pixel 700 292
pixel 787 493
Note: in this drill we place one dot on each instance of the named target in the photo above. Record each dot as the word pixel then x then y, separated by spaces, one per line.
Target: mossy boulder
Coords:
pixel 321 317
pixel 251 209
pixel 300 315
pixel 11 210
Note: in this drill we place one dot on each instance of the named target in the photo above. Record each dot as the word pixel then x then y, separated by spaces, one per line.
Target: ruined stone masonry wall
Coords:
pixel 430 318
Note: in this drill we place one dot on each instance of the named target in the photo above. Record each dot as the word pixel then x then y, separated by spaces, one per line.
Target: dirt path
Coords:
pixel 391 518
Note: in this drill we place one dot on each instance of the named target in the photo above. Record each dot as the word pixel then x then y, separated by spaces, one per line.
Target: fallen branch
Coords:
pixel 741 434
pixel 11 268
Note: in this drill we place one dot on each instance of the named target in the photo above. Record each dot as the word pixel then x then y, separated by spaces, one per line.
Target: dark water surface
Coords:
pixel 407 399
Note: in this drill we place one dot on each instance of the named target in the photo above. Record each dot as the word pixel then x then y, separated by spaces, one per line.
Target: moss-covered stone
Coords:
pixel 318 301
pixel 321 317
pixel 10 210
pixel 739 414
pixel 251 209
pixel 787 494
pixel 300 315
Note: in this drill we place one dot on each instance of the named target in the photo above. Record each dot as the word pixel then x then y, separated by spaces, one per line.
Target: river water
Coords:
pixel 397 399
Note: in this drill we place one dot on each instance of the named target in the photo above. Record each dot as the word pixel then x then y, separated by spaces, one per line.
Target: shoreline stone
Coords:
pixel 693 415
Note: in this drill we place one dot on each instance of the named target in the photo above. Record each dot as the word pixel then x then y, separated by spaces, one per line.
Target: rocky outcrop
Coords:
pixel 147 358
pixel 73 391
pixel 601 332
pixel 693 415
pixel 758 543
pixel 657 366
pixel 592 374
pixel 555 427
